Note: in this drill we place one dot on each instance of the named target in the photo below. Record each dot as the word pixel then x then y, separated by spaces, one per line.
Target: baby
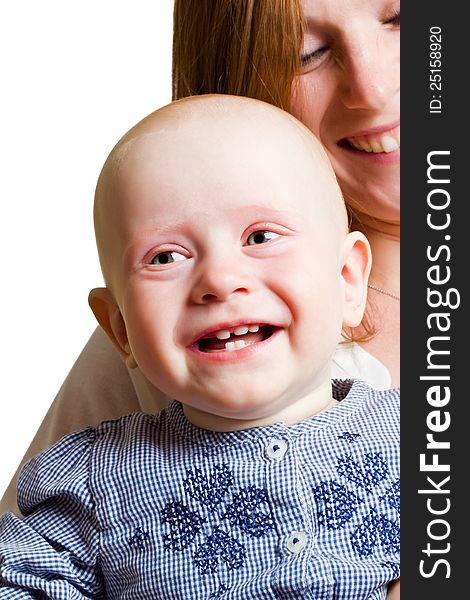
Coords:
pixel 229 273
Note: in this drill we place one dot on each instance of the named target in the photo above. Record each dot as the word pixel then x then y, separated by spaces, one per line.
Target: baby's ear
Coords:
pixel 356 261
pixel 108 315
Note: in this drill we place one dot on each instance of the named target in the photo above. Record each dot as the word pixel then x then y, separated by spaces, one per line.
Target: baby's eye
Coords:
pixel 167 257
pixel 261 237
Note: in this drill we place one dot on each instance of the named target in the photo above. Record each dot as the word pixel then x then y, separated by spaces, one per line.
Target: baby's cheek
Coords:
pixel 320 323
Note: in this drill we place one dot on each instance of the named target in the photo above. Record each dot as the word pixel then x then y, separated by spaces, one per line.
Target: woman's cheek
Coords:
pixel 311 103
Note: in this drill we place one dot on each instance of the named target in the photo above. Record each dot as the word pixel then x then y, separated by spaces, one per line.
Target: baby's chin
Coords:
pixel 234 404
pixel 235 408
pixel 228 421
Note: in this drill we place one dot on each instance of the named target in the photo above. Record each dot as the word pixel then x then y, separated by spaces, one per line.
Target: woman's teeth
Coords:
pixel 388 141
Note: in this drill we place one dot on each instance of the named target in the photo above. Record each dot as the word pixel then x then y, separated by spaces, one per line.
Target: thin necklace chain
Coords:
pixel 377 289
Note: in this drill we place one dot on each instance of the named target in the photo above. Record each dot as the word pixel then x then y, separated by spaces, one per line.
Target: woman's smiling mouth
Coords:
pixel 375 142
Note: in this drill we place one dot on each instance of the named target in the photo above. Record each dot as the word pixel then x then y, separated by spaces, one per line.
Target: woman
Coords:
pixel 340 76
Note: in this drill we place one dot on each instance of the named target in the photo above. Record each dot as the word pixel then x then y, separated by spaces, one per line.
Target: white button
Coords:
pixel 296 541
pixel 276 449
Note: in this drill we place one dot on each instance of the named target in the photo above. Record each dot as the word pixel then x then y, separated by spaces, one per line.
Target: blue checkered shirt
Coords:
pixel 151 507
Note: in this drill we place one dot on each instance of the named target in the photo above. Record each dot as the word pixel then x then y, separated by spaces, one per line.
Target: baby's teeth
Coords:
pixel 241 330
pixel 253 328
pixel 237 345
pixel 223 334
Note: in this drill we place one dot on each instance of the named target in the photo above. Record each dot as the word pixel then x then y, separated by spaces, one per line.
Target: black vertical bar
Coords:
pixel 435 331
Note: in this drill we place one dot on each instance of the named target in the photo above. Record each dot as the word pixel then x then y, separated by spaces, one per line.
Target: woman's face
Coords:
pixel 348 95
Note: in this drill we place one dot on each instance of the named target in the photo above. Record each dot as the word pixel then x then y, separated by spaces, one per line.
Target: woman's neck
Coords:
pixel 384 239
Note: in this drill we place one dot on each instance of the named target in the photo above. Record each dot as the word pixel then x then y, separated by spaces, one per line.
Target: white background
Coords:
pixel 74 78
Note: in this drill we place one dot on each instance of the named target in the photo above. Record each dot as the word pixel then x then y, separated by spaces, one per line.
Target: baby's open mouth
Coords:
pixel 385 141
pixel 236 338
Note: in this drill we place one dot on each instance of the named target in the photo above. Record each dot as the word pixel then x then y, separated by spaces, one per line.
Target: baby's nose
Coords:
pixel 218 281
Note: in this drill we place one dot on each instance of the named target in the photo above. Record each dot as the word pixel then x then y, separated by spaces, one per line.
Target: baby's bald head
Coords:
pixel 203 142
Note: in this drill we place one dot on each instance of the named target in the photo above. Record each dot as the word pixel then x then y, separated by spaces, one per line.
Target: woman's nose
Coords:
pixel 219 280
pixel 370 76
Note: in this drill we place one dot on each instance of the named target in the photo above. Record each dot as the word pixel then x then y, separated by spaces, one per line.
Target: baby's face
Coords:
pixel 227 262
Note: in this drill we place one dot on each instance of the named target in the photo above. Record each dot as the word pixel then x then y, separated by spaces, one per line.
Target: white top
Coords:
pixel 351 361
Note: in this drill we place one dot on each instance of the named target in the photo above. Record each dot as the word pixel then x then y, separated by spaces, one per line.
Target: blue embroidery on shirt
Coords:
pixel 246 514
pixel 140 538
pixel 219 593
pixel 184 525
pixel 209 490
pixel 219 546
pixel 366 475
pixel 243 512
pixel 392 495
pixel 349 437
pixel 376 530
pixel 338 504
